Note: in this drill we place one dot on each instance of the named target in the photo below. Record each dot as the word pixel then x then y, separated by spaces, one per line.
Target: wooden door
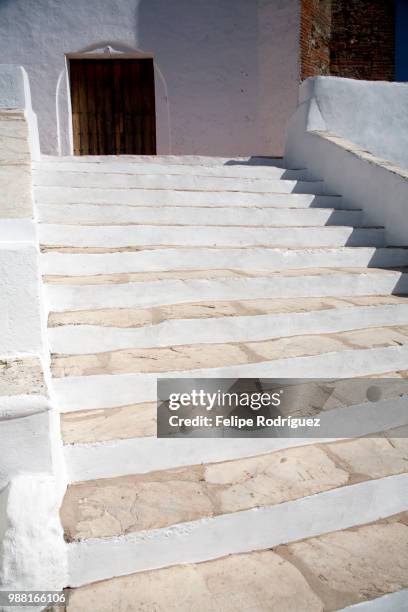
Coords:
pixel 113 106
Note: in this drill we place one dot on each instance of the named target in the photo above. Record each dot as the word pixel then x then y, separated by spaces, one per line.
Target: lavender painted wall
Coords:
pixel 230 66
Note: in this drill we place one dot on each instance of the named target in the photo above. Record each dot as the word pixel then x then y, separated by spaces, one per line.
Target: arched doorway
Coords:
pixel 112 103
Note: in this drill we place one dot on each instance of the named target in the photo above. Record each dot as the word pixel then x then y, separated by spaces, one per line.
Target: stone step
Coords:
pixel 232 170
pixel 54 262
pixel 91 214
pixel 168 197
pixel 180 182
pixel 371 355
pixel 136 318
pixel 325 572
pixel 117 457
pixel 139 420
pixel 113 236
pixel 296 283
pixel 262 528
pixel 194 355
pixel 85 339
pixel 117 506
pixel 200 160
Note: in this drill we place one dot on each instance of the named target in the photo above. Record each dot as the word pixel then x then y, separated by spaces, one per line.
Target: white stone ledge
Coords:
pixel 17 406
pixel 361 153
pixel 17 231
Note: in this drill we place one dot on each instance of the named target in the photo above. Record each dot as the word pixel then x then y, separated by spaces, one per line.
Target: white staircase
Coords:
pixel 193 266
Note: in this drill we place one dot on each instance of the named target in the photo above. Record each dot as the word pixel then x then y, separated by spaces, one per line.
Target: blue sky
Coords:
pixel 401 43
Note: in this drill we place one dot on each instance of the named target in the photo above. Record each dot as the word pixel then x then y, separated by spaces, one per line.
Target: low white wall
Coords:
pixel 336 140
pixel 226 71
pixel 372 114
pixel 32 470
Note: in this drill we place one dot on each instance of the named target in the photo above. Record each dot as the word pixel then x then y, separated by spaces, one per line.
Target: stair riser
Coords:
pixel 140 197
pixel 391 602
pixel 118 236
pixel 83 339
pixel 169 215
pixel 88 180
pixel 190 183
pixel 218 259
pixel 149 294
pixel 108 391
pixel 194 160
pixel 249 530
pixel 44 169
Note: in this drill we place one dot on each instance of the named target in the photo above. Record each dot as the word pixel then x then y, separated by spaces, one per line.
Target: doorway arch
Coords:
pixel 110 50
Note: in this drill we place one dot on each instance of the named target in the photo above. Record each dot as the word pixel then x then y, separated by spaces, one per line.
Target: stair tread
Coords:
pixel 139 420
pixel 144 197
pixel 241 328
pixel 133 318
pixel 184 289
pixel 106 508
pixel 347 560
pixel 125 236
pixel 78 262
pixel 75 393
pixel 217 273
pixel 202 356
pixel 150 180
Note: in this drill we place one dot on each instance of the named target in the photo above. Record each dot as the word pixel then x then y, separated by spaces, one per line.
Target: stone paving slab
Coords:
pixel 87 426
pixel 355 565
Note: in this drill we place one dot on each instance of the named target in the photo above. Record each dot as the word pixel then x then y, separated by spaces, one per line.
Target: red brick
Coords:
pixel 351 38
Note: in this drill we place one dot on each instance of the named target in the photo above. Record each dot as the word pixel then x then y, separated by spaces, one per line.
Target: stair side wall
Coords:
pixel 32 474
pixel 341 131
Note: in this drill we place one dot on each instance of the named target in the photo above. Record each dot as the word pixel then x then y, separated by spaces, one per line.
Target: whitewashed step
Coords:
pixel 193 356
pixel 168 197
pixel 142 294
pixel 83 339
pixel 175 182
pixel 110 236
pixel 249 530
pixel 201 160
pixel 66 264
pixel 91 214
pixel 103 507
pixel 137 421
pixel 95 391
pixel 293 575
pixel 141 455
pixel 125 167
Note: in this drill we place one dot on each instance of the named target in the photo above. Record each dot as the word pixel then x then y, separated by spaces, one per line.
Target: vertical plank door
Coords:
pixel 113 106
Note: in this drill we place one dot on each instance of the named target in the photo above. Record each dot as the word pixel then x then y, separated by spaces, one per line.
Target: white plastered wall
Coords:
pixel 226 70
pixel 32 474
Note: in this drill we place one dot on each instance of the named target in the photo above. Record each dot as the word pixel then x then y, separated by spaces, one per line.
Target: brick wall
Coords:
pixel 315 28
pixel 362 41
pixel 350 38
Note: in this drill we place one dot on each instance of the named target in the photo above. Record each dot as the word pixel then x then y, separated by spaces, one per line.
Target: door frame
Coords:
pixel 108 53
